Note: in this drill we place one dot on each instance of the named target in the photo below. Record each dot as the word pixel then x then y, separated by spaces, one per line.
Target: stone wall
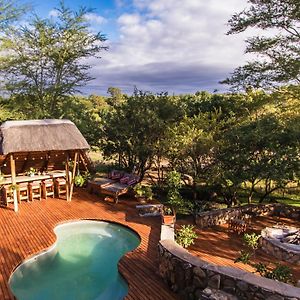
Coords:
pixel 282 251
pixel 193 278
pixel 222 216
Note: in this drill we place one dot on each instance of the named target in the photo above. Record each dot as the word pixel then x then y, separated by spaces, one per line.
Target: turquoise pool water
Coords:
pixel 82 265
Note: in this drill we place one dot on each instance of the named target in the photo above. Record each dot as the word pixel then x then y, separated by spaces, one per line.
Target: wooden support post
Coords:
pixel 13 181
pixel 67 177
pixel 84 162
pixel 73 175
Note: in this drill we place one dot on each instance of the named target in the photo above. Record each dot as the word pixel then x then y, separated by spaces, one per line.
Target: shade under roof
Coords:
pixel 40 135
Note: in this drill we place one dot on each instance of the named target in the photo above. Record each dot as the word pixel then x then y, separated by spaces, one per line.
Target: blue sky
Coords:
pixel 178 46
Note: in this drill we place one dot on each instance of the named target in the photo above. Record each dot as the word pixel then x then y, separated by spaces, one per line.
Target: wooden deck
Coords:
pixel 31 230
pixel 220 246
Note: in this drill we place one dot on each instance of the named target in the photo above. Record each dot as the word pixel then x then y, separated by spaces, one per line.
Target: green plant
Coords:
pixel 186 235
pixel 174 197
pixel 168 211
pixel 280 273
pixel 143 191
pixel 31 171
pixel 79 180
pixel 13 187
pixel 261 268
pixel 251 240
pixel 244 257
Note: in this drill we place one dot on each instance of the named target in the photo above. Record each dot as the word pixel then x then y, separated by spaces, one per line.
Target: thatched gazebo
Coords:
pixel 44 145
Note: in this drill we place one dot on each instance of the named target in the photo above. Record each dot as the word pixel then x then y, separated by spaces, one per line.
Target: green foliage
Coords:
pixel 261 268
pixel 279 273
pixel 143 191
pixel 135 130
pixel 80 180
pixel 43 62
pixel 174 198
pixel 186 235
pixel 251 240
pixel 167 211
pixel 279 60
pixel 9 13
pixel 32 171
pixel 244 257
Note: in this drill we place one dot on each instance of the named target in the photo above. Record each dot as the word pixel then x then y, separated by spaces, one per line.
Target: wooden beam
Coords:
pixel 13 181
pixel 84 162
pixel 73 175
pixel 67 177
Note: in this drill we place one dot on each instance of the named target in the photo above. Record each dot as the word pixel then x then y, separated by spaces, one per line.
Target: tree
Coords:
pixel 43 63
pixel 10 12
pixel 192 145
pixel 263 150
pixel 135 129
pixel 278 55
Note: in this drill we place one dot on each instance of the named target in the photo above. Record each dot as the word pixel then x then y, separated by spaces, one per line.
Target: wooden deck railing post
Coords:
pixel 13 181
pixel 67 177
pixel 73 175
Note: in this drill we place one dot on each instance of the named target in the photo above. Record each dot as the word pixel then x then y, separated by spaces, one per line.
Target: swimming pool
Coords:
pixel 81 265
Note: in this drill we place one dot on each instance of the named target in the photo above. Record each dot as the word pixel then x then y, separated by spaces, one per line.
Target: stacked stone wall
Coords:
pixel 222 216
pixel 193 278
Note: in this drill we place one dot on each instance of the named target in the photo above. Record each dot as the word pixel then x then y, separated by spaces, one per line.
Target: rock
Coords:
pixel 274 297
pixel 199 282
pixel 214 282
pixel 243 286
pixel 199 272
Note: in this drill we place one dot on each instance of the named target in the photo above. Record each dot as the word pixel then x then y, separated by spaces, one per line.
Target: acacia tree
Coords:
pixel 278 56
pixel 134 129
pixel 9 12
pixel 43 63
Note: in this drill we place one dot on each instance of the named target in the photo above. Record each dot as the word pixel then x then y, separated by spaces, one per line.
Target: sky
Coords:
pixel 174 46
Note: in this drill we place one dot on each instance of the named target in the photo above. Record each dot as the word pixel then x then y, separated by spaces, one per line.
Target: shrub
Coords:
pixel 143 191
pixel 280 273
pixel 244 257
pixel 81 180
pixel 186 235
pixel 251 240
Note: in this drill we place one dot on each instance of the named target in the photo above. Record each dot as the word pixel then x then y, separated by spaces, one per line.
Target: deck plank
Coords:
pixel 31 230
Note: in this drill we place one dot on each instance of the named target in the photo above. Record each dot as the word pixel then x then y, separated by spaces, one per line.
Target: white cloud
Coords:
pixel 94 18
pixel 170 37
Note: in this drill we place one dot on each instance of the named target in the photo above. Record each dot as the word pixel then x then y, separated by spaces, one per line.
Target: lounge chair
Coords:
pixel 95 185
pixel 117 189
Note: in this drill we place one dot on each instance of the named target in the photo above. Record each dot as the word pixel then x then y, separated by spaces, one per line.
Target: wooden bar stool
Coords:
pixel 47 188
pixel 60 186
pixel 7 195
pixel 35 190
pixel 23 192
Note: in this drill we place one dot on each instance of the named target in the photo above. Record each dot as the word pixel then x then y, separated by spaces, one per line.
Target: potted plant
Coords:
pixel 31 172
pixel 168 216
pixel 143 192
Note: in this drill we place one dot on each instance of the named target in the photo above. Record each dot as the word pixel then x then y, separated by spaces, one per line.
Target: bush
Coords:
pixel 244 257
pixel 143 191
pixel 251 240
pixel 81 180
pixel 186 235
pixel 280 273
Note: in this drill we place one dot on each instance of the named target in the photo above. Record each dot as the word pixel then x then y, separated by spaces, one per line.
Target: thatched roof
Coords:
pixel 40 135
